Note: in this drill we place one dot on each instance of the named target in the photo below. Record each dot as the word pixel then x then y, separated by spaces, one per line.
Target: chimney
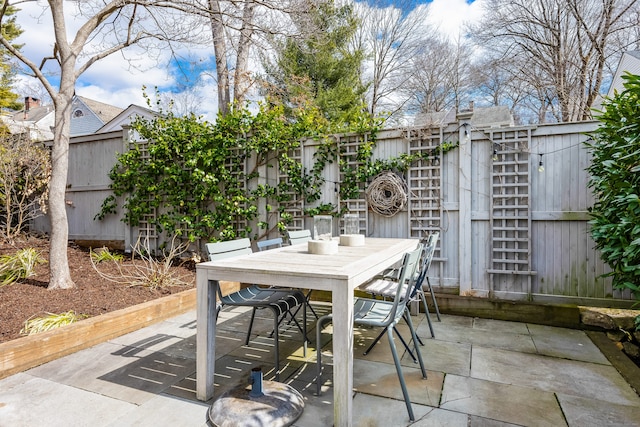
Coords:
pixel 30 103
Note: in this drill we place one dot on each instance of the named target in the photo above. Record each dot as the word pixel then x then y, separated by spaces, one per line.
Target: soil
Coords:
pixel 92 296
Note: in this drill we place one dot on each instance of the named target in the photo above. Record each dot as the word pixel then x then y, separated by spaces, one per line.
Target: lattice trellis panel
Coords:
pixel 425 182
pixel 147 233
pixel 510 210
pixel 237 169
pixel 349 155
pixel 295 206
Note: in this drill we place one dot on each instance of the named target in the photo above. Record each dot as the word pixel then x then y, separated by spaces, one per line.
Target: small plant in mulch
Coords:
pixel 147 270
pixel 50 321
pixel 18 266
pixel 103 254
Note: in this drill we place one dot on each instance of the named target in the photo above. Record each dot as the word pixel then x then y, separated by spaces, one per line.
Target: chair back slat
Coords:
pixel 299 236
pixel 407 276
pixel 228 249
pixel 269 243
pixel 428 249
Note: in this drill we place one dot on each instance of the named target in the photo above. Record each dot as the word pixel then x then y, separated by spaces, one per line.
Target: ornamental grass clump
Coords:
pixel 103 254
pixel 18 266
pixel 35 325
pixel 147 270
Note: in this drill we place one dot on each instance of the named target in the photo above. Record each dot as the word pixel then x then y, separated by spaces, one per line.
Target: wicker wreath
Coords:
pixel 387 194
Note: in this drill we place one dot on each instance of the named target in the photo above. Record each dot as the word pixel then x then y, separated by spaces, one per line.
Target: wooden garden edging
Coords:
pixel 30 351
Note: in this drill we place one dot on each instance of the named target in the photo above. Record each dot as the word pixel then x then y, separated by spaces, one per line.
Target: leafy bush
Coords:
pixel 615 179
pixel 36 325
pixel 25 169
pixel 19 265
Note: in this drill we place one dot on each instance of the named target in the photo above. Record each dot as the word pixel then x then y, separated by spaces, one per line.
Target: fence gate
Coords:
pixel 510 209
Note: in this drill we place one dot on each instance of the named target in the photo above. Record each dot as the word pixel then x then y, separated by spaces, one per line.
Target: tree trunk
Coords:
pixel 241 78
pixel 220 51
pixel 60 276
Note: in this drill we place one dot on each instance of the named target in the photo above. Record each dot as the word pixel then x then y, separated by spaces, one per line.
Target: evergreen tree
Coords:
pixel 10 31
pixel 317 68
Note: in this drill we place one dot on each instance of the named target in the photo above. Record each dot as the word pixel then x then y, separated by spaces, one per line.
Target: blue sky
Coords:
pixel 114 81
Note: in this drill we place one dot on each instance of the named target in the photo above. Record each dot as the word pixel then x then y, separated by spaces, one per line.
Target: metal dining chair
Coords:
pixel 297 237
pixel 385 286
pixel 279 301
pixel 384 314
pixel 264 245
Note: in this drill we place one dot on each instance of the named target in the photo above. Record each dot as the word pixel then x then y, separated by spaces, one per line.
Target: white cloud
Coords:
pixel 117 79
pixel 113 80
pixel 449 16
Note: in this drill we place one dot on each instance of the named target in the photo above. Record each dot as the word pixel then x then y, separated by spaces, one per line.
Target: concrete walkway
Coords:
pixel 480 373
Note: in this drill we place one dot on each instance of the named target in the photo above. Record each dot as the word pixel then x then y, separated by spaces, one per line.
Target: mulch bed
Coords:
pixel 92 296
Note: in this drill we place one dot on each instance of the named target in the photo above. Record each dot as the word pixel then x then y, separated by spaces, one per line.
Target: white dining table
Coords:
pixel 294 266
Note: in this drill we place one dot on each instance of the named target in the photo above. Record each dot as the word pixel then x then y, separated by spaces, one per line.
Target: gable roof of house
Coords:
pixel 87 116
pixel 105 112
pixel 125 117
pixel 499 116
pixel 630 62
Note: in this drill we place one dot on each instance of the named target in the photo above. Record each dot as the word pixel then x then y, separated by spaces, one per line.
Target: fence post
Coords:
pixel 464 197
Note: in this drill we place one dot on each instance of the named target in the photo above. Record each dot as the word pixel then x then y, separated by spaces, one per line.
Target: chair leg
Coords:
pixel 433 298
pixel 321 321
pixel 373 343
pixel 308 304
pixel 253 316
pixel 406 346
pixel 304 332
pixel 276 343
pixel 403 385
pixel 415 340
pixel 426 313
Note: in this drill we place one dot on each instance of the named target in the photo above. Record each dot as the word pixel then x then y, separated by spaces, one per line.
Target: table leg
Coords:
pixel 205 334
pixel 342 299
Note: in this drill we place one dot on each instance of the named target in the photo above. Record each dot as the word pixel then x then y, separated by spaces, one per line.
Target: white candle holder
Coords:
pixel 351 236
pixel 322 243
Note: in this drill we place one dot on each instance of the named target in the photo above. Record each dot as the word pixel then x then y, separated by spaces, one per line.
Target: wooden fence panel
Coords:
pixel 452 194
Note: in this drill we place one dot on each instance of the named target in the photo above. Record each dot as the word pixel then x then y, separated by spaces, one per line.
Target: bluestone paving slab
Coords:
pixel 505 340
pixel 130 374
pixel 156 336
pixel 446 356
pixel 590 380
pixel 318 410
pixel 442 418
pixel 482 373
pixel 500 326
pixel 381 379
pixel 27 401
pixel 565 343
pixel 581 412
pixel 475 421
pixel 164 410
pixel 502 402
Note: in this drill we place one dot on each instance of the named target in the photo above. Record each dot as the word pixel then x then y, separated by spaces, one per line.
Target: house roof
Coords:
pixel 34 114
pixel 104 111
pixel 629 61
pixel 125 117
pixel 499 116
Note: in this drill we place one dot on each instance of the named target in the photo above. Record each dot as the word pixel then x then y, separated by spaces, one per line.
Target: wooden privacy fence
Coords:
pixel 511 205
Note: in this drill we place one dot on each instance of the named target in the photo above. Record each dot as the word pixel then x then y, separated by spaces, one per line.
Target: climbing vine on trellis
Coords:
pixel 190 178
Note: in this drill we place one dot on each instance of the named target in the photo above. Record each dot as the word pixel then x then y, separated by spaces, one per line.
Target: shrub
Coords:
pixel 615 179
